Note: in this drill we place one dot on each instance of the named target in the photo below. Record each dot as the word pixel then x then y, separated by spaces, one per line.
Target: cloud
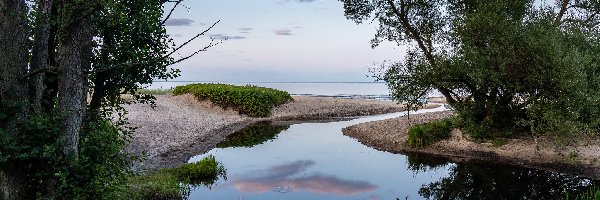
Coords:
pixel 283 32
pixel 285 177
pixel 226 37
pixel 179 22
pixel 245 29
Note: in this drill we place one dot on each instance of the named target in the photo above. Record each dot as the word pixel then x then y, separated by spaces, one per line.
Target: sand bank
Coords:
pixel 581 158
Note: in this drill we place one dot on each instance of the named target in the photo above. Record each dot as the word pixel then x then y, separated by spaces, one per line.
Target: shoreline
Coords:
pixel 181 126
pixel 580 159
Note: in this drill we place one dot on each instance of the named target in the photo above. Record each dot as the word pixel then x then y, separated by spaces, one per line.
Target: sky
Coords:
pixel 276 41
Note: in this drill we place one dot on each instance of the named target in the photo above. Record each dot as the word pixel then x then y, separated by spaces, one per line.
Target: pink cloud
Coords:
pixel 281 176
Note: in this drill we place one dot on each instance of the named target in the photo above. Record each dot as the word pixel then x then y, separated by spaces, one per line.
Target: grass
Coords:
pixel 422 135
pixel 498 142
pixel 250 100
pixel 175 183
pixel 592 193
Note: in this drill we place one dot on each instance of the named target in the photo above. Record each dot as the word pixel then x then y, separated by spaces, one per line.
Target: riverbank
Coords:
pixel 581 158
pixel 180 127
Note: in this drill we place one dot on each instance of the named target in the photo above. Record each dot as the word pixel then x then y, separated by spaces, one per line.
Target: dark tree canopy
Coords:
pixel 504 65
pixel 64 66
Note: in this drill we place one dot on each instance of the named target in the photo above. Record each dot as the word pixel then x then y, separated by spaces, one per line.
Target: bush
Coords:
pixel 203 172
pixel 422 135
pixel 174 183
pixel 100 172
pixel 157 185
pixel 250 100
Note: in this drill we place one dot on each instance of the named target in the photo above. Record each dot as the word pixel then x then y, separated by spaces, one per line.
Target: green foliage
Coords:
pixel 157 185
pixel 175 183
pixel 253 135
pixel 250 100
pixel 498 142
pixel 135 50
pixel 592 193
pixel 100 171
pixel 505 66
pixel 128 48
pixel 205 171
pixel 422 135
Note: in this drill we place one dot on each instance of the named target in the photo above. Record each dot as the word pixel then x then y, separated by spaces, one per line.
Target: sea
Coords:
pixel 350 90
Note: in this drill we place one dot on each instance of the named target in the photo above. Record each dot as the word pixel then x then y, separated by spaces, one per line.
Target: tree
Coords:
pixel 503 65
pixel 13 95
pixel 54 143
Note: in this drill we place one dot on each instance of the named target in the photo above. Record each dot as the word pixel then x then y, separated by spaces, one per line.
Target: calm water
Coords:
pixel 315 161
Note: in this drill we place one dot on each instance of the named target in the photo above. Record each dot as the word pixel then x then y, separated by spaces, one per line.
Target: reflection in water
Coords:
pixel 284 177
pixel 253 135
pixel 327 166
pixel 485 180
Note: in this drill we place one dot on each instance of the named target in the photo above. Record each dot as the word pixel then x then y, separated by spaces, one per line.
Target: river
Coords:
pixel 316 161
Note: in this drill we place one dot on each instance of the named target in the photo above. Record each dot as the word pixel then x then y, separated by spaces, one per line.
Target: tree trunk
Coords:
pixel 13 88
pixel 74 59
pixel 101 76
pixel 564 5
pixel 50 94
pixel 40 55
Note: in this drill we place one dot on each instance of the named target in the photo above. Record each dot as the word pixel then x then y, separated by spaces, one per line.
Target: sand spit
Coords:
pixel 581 158
pixel 180 126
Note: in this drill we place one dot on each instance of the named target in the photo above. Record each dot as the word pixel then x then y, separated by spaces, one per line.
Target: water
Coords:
pixel 357 90
pixel 315 161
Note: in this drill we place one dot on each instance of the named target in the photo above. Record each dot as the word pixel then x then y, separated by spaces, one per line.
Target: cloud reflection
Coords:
pixel 286 176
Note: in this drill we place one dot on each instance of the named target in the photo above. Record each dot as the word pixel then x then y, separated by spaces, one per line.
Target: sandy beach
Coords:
pixel 181 126
pixel 390 135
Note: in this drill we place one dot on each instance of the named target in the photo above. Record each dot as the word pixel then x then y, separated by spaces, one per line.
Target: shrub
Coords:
pixel 174 183
pixel 203 172
pixel 100 172
pixel 157 185
pixel 250 100
pixel 422 135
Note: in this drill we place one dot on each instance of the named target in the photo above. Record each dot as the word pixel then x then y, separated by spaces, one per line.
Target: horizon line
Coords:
pixel 162 81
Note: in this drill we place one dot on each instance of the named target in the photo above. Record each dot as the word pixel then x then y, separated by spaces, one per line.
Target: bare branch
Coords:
pixel 211 44
pixel 175 50
pixel 171 12
pixel 193 38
